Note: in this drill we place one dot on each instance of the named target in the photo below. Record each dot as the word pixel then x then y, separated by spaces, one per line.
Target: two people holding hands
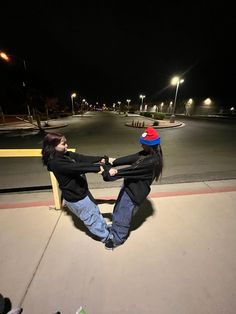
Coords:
pixel 70 168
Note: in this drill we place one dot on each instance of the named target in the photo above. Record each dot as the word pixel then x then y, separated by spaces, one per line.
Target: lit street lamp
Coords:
pixel 72 102
pixel 7 58
pixel 162 104
pixel 4 56
pixel 128 101
pixel 175 81
pixel 119 103
pixel 141 96
pixel 83 105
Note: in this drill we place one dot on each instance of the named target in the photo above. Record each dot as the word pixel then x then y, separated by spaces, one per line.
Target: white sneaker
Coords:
pixel 80 311
pixel 15 311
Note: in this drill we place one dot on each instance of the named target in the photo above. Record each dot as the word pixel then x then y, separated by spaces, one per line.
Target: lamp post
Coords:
pixel 142 97
pixel 119 103
pixel 175 82
pixel 83 103
pixel 2 115
pixel 128 101
pixel 72 102
pixel 161 106
pixel 7 58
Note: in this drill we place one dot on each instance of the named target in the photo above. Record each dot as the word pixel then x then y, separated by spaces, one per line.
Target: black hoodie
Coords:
pixel 139 176
pixel 70 169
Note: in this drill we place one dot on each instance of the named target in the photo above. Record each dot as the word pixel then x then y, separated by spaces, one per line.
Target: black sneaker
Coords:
pixel 109 245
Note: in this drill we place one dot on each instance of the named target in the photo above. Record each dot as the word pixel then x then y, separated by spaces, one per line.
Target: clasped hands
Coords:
pixel 106 165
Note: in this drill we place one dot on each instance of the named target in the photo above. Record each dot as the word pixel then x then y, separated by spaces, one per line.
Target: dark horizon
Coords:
pixel 107 52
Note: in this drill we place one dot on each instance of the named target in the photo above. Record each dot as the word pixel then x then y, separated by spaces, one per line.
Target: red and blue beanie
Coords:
pixel 150 137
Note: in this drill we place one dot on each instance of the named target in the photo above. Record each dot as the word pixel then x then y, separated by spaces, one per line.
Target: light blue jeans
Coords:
pixel 89 213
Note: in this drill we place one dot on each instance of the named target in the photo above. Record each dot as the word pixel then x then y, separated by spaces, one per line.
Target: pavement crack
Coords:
pixel 40 260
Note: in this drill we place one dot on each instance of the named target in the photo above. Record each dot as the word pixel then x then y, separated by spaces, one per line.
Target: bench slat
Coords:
pixel 36 152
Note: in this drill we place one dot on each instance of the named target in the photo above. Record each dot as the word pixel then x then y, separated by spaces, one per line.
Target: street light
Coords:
pixel 141 96
pixel 175 82
pixel 7 58
pixel 162 104
pixel 128 101
pixel 83 103
pixel 4 56
pixel 119 103
pixel 72 102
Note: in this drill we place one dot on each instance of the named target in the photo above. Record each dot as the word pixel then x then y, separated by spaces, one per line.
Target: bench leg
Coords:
pixel 56 191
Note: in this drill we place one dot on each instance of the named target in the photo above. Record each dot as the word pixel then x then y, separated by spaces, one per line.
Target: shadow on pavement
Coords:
pixel 146 210
pixel 79 224
pixel 98 201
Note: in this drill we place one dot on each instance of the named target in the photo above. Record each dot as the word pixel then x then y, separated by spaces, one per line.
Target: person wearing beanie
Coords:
pixel 70 171
pixel 144 167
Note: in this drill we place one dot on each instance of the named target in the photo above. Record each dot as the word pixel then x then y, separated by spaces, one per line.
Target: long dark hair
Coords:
pixel 159 164
pixel 50 141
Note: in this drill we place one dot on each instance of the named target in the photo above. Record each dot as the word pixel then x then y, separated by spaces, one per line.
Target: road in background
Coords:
pixel 201 150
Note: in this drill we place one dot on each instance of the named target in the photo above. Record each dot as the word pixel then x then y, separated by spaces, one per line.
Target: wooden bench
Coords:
pixel 37 153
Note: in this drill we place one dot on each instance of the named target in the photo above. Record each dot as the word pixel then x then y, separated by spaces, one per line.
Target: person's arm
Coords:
pixel 67 167
pixel 143 170
pixel 131 172
pixel 126 160
pixel 85 158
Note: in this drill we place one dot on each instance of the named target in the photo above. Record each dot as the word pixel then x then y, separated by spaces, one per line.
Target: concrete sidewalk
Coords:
pixel 179 258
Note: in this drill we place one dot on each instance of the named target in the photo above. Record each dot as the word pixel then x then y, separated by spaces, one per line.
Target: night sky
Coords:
pixel 113 50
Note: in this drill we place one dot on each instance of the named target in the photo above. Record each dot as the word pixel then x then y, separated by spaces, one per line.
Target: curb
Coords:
pixel 104 197
pixel 26 128
pixel 179 124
